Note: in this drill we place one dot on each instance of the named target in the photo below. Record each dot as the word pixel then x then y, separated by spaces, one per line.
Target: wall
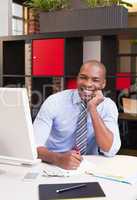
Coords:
pixel 91 48
pixel 5 17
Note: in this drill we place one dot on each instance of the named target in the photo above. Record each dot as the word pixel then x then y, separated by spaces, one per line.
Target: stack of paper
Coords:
pixel 119 168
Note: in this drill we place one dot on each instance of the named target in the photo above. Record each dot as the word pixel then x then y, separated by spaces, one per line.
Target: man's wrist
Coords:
pixel 56 158
pixel 53 157
pixel 92 108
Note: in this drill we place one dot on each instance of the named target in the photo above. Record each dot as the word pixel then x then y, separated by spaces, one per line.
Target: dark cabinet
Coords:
pixel 14 57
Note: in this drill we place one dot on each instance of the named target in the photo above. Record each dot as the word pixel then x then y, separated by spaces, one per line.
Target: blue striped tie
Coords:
pixel 81 130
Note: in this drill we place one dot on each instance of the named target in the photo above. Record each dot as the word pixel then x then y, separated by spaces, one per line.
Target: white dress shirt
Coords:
pixel 55 124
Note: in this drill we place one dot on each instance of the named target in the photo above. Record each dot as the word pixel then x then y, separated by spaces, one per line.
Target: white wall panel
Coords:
pixel 5 17
pixel 91 50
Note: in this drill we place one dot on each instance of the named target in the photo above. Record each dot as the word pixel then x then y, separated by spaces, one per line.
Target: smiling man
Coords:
pixel 79 121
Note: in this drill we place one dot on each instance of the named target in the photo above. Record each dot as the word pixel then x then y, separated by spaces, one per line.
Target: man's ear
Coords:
pixel 104 84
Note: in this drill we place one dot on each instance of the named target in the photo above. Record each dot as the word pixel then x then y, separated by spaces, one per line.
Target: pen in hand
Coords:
pixel 77 154
pixel 70 188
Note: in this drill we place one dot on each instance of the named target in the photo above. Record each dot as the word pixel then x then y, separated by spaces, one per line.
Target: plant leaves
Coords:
pixel 47 5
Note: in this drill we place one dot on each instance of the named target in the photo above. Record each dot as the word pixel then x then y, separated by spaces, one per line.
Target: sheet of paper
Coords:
pixel 121 168
pixel 57 171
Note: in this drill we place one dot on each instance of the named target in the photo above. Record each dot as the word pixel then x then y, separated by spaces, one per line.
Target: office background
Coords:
pixel 117 48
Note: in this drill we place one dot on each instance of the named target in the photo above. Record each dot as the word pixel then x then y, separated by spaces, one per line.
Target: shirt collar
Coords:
pixel 76 98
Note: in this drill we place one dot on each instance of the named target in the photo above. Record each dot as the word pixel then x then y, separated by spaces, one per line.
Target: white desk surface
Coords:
pixel 13 187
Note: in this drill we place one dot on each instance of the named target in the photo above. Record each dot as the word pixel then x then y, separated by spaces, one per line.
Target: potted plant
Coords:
pixel 36 6
pixel 99 3
pixel 106 14
pixel 47 5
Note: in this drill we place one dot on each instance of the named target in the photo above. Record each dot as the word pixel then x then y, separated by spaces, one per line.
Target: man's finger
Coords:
pixel 77 155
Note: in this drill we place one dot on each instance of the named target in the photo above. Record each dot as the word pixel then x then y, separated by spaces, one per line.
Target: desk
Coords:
pixel 125 117
pixel 12 186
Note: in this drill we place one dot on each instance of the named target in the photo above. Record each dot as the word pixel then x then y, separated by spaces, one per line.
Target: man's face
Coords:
pixel 89 80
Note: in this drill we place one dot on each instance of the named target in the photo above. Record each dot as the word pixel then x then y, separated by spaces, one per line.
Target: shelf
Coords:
pixel 14 57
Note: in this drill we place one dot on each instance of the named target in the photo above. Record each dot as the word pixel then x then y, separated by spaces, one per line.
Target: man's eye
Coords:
pixel 96 80
pixel 82 77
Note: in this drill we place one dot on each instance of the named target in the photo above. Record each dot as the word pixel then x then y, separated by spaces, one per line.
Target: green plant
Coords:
pixel 47 5
pixel 95 3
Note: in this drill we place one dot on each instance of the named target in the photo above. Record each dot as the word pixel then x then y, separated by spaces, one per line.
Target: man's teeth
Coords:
pixel 87 91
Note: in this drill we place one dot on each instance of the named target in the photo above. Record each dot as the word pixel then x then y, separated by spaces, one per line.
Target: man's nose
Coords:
pixel 90 85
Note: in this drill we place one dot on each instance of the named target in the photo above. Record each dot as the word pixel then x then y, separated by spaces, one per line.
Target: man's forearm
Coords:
pixel 67 160
pixel 103 135
pixel 48 156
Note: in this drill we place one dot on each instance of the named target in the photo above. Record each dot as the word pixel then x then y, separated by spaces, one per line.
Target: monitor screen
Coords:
pixel 16 129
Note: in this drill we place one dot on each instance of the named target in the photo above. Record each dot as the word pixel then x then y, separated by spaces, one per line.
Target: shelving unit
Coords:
pixel 47 63
pixel 43 65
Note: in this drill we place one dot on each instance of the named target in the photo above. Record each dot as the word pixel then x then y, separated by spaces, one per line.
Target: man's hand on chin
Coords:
pixel 96 99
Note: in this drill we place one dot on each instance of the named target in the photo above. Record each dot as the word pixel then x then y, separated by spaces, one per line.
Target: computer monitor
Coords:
pixel 16 130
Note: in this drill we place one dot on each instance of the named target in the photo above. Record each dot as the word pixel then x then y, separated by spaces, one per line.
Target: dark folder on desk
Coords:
pixel 48 191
